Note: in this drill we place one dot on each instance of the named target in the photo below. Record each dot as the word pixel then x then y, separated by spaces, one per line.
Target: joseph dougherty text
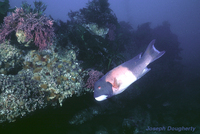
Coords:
pixel 171 128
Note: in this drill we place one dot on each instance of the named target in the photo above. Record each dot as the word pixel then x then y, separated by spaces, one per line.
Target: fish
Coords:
pixel 121 77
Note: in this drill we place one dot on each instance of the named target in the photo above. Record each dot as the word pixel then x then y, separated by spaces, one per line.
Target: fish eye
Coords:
pixel 99 87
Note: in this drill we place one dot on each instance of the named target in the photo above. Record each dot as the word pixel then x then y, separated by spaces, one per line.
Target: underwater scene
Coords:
pixel 94 72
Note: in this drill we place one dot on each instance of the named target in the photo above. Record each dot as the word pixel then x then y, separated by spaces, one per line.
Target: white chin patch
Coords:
pixel 101 98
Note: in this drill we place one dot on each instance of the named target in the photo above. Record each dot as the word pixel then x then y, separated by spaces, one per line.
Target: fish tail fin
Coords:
pixel 151 54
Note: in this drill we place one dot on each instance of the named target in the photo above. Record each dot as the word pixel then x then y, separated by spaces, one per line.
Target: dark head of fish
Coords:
pixel 102 90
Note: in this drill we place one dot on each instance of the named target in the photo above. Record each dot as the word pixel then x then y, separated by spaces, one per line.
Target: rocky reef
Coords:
pixel 45 78
pixel 10 58
pixel 44 62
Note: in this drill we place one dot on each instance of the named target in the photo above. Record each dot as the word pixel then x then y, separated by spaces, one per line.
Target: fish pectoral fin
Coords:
pixel 116 85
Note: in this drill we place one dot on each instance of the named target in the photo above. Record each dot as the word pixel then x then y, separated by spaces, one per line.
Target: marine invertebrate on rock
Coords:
pixel 10 58
pixel 28 27
pixel 38 85
pixel 19 95
pixel 93 77
pixel 94 29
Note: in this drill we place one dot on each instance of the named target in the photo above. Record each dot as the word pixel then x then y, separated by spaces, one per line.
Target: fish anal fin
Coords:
pixel 146 70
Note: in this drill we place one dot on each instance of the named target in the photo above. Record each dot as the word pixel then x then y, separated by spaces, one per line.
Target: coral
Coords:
pixel 19 95
pixel 94 29
pixel 34 27
pixel 21 37
pixel 93 77
pixel 11 58
pixel 38 85
pixel 59 76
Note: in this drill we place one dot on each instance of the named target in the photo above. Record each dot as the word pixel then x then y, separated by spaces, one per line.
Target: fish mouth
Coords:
pixel 101 98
